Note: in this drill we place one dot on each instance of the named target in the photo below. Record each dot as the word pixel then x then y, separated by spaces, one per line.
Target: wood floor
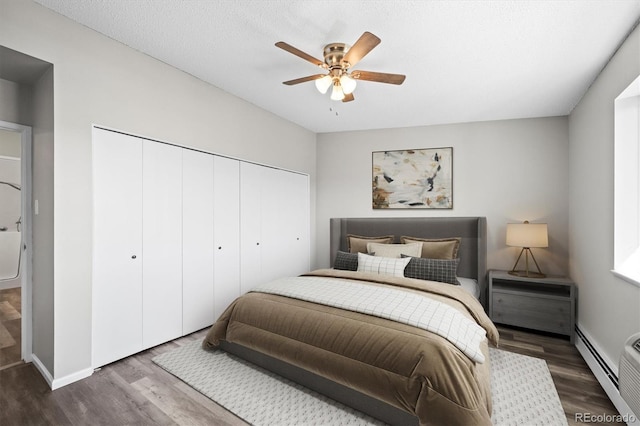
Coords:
pixel 136 391
pixel 10 327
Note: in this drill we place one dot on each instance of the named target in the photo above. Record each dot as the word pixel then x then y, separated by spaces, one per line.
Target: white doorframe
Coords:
pixel 27 234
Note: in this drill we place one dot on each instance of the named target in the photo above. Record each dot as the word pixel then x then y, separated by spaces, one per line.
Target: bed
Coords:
pixel 347 334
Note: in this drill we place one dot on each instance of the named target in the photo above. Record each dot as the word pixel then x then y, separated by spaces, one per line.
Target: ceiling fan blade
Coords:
pixel 348 98
pixel 380 77
pixel 285 46
pixel 303 79
pixel 360 48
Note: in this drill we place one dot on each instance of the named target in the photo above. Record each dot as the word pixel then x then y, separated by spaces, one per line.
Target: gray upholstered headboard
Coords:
pixel 472 230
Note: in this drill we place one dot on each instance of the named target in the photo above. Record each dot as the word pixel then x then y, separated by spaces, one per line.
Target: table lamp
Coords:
pixel 527 235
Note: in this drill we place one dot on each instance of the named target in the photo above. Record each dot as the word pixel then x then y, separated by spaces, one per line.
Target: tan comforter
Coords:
pixel 407 367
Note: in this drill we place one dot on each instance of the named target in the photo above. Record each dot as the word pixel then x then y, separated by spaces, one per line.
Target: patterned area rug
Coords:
pixel 522 389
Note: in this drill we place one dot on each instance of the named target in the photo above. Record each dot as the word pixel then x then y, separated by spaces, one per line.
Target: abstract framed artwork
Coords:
pixel 413 179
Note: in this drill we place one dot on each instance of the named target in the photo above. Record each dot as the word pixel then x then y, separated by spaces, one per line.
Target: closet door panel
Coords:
pixel 226 226
pixel 162 243
pixel 275 205
pixel 197 241
pixel 297 202
pixel 251 241
pixel 288 221
pixel 274 224
pixel 117 246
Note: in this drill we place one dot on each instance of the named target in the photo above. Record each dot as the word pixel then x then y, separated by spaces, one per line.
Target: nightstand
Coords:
pixel 543 304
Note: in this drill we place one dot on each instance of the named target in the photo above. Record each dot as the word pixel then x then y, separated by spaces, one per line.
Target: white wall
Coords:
pixel 508 171
pixel 608 307
pixel 97 80
pixel 43 232
pixel 15 102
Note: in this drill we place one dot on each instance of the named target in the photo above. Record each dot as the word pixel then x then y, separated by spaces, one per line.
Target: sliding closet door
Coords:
pixel 296 203
pixel 169 226
pixel 117 246
pixel 197 241
pixel 274 224
pixel 162 242
pixel 285 223
pixel 251 241
pixel 226 228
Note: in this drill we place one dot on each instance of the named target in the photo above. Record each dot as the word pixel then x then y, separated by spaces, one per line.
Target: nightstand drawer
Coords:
pixel 532 312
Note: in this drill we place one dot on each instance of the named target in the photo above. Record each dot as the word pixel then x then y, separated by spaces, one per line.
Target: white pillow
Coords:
pixel 394 250
pixel 382 265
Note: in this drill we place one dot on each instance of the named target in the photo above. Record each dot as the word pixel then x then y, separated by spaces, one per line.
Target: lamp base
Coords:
pixel 527 274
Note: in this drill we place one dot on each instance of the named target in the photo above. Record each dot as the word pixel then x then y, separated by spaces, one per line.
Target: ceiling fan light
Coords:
pixel 322 84
pixel 337 94
pixel 348 84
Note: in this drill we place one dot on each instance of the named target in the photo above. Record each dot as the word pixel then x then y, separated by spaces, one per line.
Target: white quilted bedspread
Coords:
pixel 386 302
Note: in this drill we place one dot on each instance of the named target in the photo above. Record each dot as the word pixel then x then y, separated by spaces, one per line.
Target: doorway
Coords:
pixel 15 290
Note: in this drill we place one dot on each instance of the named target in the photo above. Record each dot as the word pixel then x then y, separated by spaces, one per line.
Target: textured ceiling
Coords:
pixel 464 60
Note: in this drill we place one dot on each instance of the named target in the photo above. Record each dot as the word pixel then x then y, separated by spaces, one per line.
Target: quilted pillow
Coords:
pixel 438 248
pixel 442 270
pixel 394 250
pixel 346 261
pixel 358 244
pixel 382 265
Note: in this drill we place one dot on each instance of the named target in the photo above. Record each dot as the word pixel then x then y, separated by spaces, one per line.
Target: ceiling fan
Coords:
pixel 338 60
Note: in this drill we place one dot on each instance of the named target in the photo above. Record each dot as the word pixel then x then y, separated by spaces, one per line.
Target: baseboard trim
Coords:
pixel 63 381
pixel 70 378
pixel 605 373
pixel 42 369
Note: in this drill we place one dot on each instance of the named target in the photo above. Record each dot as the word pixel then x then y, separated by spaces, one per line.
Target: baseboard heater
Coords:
pixel 601 362
pixel 606 376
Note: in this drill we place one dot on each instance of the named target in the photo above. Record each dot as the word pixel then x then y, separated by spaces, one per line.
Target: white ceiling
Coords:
pixel 464 60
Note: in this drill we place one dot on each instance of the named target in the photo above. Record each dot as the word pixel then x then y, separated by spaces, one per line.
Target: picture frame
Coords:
pixel 413 179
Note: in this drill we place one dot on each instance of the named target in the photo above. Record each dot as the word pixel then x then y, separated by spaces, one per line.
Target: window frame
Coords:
pixel 627 184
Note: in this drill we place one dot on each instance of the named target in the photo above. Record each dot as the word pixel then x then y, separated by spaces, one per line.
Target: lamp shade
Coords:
pixel 337 94
pixel 323 84
pixel 348 84
pixel 527 235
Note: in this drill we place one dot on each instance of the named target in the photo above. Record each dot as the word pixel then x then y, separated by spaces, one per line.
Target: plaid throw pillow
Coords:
pixel 382 265
pixel 346 261
pixel 442 270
